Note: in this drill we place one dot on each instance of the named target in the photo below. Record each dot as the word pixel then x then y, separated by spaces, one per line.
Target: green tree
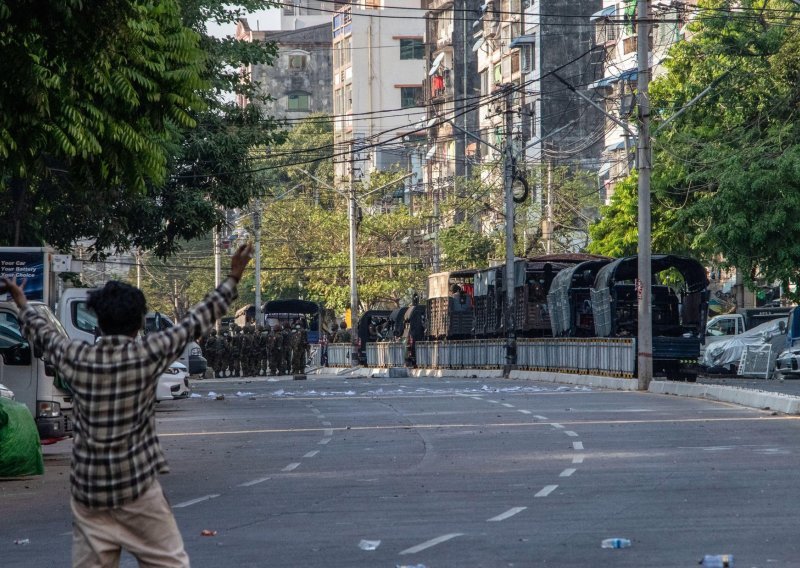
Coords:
pixel 728 165
pixel 462 246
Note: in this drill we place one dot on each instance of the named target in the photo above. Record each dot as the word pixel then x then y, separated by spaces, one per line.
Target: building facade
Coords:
pixel 378 76
pixel 299 78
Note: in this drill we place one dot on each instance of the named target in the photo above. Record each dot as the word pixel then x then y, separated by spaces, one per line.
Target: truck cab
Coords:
pixel 33 379
pixel 81 323
pixel 723 327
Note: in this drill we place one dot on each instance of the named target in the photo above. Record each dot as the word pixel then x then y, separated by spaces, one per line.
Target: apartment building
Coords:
pixel 378 76
pixel 299 78
pixel 615 33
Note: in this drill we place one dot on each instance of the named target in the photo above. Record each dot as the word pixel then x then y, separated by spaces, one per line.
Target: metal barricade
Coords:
pixel 339 354
pixel 386 354
pixel 604 356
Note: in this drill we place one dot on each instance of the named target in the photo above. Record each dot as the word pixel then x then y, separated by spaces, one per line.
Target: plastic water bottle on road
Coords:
pixel 615 543
pixel 717 561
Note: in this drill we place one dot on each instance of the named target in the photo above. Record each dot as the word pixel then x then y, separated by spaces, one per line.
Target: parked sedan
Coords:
pixel 788 363
pixel 173 383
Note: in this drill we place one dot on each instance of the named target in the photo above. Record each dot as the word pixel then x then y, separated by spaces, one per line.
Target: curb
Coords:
pixel 763 400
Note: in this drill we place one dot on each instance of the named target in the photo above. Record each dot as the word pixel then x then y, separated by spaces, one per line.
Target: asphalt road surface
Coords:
pixel 335 472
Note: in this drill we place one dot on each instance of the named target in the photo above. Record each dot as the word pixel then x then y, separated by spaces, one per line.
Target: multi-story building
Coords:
pixel 557 46
pixel 615 33
pixel 452 89
pixel 378 75
pixel 299 78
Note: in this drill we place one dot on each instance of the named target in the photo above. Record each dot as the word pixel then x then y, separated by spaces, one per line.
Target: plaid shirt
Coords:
pixel 116 454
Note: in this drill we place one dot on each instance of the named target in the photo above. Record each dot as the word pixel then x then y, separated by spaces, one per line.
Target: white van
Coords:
pixel 32 379
pixel 81 323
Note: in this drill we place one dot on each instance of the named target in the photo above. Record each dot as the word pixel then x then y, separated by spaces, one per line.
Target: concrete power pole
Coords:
pixel 257 230
pixel 645 327
pixel 508 180
pixel 352 213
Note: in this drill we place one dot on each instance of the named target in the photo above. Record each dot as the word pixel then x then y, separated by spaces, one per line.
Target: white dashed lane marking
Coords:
pixel 195 501
pixel 508 405
pixel 524 411
pixel 493 401
pixel 557 425
pixel 546 490
pixel 567 472
pixel 311 454
pixel 324 441
pixel 291 466
pixel 571 433
pixel 539 417
pixel 328 432
pixel 254 482
pixel 577 459
pixel 577 445
pixel 430 543
pixel 326 423
pixel 503 516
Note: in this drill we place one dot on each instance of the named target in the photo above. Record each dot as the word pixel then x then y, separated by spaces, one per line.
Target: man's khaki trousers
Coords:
pixel 145 527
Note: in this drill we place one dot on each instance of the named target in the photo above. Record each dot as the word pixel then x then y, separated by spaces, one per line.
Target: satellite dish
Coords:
pixel 431 152
pixel 478 44
pixel 432 121
pixel 435 64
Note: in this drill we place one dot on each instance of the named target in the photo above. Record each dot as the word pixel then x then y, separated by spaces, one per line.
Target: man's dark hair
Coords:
pixel 119 308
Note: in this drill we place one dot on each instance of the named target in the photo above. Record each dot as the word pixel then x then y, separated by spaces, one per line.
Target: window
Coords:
pixel 412 48
pixel 410 97
pixel 298 102
pixel 515 62
pixel 485 82
pixel 83 318
pixel 498 74
pixel 297 62
pixel 527 52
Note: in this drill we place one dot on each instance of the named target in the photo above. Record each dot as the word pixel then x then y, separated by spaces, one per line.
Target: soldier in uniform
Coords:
pixel 263 352
pixel 300 349
pixel 211 352
pixel 275 350
pixel 235 358
pixel 343 335
pixel 246 353
pixel 286 351
pixel 224 361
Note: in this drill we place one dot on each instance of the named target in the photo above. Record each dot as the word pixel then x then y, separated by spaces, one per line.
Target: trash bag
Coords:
pixel 20 449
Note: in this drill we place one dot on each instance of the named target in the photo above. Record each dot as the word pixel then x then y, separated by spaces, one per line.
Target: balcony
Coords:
pixel 435 5
pixel 441 85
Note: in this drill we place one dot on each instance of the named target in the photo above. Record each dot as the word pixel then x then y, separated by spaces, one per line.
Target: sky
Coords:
pixel 261 20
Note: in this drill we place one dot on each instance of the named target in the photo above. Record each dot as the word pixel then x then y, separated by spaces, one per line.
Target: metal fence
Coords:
pixel 386 354
pixel 339 354
pixel 604 356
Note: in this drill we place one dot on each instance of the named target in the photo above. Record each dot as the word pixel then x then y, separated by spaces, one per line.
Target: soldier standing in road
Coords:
pixel 300 348
pixel 235 356
pixel 212 352
pixel 286 351
pixel 247 351
pixel 276 351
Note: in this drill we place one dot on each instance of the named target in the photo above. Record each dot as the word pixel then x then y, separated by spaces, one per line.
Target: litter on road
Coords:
pixel 369 544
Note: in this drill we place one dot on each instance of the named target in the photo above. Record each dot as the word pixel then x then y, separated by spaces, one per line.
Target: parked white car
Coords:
pixel 173 383
pixel 6 392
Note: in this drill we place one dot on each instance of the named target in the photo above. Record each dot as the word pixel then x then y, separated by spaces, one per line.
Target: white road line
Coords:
pixel 567 472
pixel 493 401
pixel 557 425
pixel 326 423
pixel 577 445
pixel 524 411
pixel 476 398
pixel 324 441
pixel 546 490
pixel 571 433
pixel 328 432
pixel 311 454
pixel 539 417
pixel 503 516
pixel 508 405
pixel 430 543
pixel 577 459
pixel 195 501
pixel 254 482
pixel 291 466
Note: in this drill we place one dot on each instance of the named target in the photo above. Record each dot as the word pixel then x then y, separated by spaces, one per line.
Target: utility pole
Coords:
pixel 139 269
pixel 549 209
pixel 645 326
pixel 508 180
pixel 436 185
pixel 353 282
pixel 257 231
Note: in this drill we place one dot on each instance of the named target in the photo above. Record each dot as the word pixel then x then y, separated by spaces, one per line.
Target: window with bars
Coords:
pixel 410 97
pixel 298 101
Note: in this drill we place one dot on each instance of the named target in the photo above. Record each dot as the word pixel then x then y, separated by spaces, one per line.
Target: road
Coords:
pixel 450 473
